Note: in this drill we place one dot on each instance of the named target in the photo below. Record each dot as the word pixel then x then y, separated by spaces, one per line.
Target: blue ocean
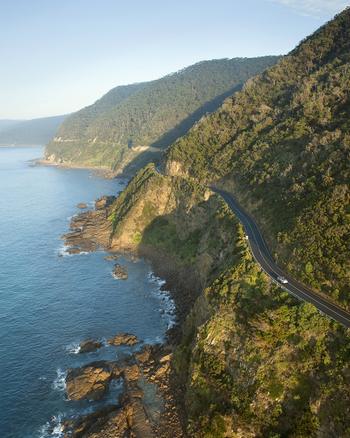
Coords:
pixel 49 304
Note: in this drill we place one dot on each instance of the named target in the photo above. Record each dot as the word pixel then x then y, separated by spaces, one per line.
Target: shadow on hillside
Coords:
pixel 141 160
pixel 183 127
pixel 146 157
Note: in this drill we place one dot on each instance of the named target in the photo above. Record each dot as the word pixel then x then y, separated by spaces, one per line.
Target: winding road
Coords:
pixel 262 256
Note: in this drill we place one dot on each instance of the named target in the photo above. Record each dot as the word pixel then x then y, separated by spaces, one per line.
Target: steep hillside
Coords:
pixel 133 129
pixel 281 146
pixel 29 132
pixel 74 127
pixel 256 361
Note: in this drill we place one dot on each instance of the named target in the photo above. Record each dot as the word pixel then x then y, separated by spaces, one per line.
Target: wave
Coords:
pixel 73 348
pixel 60 381
pixel 52 428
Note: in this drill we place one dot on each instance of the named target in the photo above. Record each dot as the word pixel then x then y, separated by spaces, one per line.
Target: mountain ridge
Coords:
pixel 153 115
pixel 281 147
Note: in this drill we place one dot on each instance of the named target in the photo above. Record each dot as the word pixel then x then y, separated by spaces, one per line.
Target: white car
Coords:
pixel 282 280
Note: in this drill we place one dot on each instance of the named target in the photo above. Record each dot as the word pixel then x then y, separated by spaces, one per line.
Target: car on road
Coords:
pixel 282 280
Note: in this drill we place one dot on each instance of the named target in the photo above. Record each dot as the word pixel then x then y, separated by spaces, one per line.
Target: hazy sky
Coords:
pixel 57 56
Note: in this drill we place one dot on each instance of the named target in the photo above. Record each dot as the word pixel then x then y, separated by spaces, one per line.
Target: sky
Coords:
pixel 58 56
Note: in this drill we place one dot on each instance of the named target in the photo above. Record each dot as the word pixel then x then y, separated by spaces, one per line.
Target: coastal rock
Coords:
pixel 166 358
pixel 120 272
pixel 144 354
pixel 107 422
pixel 89 345
pixel 90 381
pixel 111 257
pixel 104 201
pixel 91 229
pixel 123 338
pixel 81 205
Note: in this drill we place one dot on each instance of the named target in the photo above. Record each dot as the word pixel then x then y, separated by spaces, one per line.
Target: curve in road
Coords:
pixel 262 256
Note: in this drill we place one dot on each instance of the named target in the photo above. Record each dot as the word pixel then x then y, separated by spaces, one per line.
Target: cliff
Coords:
pixel 257 362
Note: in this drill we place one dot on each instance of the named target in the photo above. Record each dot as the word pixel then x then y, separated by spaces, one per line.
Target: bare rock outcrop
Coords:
pixel 107 422
pixel 89 345
pixel 90 381
pixel 91 229
pixel 120 272
pixel 123 338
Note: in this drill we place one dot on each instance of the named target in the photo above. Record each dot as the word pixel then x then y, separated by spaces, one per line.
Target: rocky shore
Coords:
pixel 150 367
pixel 146 371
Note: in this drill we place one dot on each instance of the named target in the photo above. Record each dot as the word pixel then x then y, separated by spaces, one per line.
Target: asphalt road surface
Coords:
pixel 262 256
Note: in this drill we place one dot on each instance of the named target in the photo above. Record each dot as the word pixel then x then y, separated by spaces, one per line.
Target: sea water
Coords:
pixel 49 304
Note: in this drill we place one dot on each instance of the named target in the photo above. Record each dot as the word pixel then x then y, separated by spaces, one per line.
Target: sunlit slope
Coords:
pixel 281 145
pixel 136 129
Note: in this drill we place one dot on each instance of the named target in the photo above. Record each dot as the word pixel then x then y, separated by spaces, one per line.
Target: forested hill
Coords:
pixel 132 125
pixel 281 146
pixel 76 125
pixel 29 132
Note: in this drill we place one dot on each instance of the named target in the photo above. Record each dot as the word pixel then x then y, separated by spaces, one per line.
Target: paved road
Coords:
pixel 263 257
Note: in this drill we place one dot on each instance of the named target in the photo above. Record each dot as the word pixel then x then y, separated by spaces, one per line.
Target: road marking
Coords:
pixel 236 207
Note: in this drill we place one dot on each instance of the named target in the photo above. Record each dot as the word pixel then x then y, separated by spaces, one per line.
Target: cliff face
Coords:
pixel 257 361
pixel 178 216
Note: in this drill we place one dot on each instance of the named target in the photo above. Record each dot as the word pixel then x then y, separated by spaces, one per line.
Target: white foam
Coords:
pixel 171 324
pixel 73 348
pixel 60 382
pixel 52 428
pixel 116 385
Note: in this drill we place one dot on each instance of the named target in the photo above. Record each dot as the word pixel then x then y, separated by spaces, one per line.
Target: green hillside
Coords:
pixel 29 132
pixel 132 125
pixel 281 146
pixel 255 361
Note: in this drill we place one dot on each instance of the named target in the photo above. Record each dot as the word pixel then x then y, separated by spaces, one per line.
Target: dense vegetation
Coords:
pixel 257 361
pixel 283 142
pixel 264 364
pixel 29 132
pixel 118 127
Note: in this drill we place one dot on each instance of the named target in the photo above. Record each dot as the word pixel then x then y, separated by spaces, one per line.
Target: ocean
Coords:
pixel 49 304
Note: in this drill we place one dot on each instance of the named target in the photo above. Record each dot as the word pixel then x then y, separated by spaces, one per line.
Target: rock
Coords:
pixel 111 257
pixel 166 358
pixel 123 338
pixel 144 354
pixel 90 381
pixel 120 272
pixel 73 251
pixel 81 205
pixel 107 422
pixel 91 228
pixel 104 201
pixel 162 371
pixel 89 345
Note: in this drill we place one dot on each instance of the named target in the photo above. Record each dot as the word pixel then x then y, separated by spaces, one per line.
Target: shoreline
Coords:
pixel 103 172
pixel 183 288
